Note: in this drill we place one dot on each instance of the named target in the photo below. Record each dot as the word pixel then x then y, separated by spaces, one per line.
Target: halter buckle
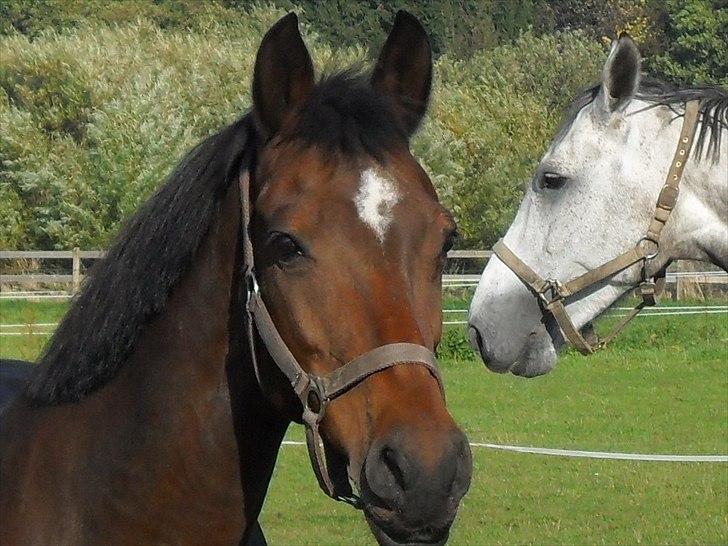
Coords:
pixel 648 292
pixel 314 403
pixel 251 287
pixel 668 197
pixel 550 292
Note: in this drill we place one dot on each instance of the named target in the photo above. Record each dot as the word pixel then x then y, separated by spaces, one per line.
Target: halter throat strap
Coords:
pixel 552 293
pixel 315 392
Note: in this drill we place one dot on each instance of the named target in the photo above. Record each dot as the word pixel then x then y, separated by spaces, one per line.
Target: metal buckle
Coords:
pixel 648 292
pixel 551 291
pixel 251 286
pixel 314 406
pixel 668 197
pixel 648 240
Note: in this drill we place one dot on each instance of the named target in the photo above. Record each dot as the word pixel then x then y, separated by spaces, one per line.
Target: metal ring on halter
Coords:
pixel 554 287
pixel 315 403
pixel 648 240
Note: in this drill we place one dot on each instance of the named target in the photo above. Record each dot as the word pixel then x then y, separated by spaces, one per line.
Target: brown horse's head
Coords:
pixel 349 243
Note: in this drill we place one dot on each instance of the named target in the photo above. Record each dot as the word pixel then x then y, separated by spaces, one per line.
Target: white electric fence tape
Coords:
pixel 589 454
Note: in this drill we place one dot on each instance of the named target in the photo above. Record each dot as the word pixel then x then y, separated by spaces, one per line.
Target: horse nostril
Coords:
pixel 394 463
pixel 387 473
pixel 476 339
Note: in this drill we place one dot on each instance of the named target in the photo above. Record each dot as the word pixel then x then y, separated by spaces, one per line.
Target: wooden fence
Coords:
pixel 676 275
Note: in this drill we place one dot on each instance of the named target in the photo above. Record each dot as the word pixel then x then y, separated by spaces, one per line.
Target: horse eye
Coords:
pixel 552 181
pixel 285 249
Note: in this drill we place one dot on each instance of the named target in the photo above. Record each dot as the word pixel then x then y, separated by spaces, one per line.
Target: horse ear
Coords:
pixel 283 75
pixel 621 74
pixel 404 70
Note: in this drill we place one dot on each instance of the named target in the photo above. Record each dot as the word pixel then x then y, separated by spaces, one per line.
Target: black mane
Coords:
pixel 132 283
pixel 713 109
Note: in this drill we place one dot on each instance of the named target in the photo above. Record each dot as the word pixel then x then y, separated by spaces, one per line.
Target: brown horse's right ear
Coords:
pixel 404 70
pixel 283 76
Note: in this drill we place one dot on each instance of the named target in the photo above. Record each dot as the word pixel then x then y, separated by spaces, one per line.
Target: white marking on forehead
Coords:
pixel 375 200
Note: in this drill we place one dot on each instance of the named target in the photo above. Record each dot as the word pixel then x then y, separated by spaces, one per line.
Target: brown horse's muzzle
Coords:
pixel 408 501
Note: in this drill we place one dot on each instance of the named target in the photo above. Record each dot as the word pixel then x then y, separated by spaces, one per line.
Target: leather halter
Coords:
pixel 315 391
pixel 552 293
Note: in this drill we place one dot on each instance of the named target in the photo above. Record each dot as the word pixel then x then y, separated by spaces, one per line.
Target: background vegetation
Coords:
pixel 100 98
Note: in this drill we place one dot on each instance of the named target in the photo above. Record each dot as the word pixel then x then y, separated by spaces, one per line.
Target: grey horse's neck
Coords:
pixel 700 229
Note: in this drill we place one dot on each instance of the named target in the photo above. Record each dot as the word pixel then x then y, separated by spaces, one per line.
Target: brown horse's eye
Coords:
pixel 285 249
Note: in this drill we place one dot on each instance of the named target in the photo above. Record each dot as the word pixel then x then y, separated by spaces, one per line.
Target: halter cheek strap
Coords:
pixel 552 293
pixel 315 392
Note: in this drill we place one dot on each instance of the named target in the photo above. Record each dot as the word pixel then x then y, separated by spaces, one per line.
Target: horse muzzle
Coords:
pixel 410 496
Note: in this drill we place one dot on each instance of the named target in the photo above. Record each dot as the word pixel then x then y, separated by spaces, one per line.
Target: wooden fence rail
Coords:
pixel 76 255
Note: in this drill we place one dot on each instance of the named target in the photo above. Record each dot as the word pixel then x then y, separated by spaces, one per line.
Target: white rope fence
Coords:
pixel 648 457
pixel 666 311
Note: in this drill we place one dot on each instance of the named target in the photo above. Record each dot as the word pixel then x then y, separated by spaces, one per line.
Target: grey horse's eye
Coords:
pixel 552 181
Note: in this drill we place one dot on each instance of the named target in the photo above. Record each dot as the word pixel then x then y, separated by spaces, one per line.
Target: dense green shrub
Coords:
pixel 459 27
pixel 491 119
pixel 456 27
pixel 696 42
pixel 93 118
pixel 32 17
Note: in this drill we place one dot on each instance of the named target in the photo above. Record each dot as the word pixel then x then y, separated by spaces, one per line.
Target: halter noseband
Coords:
pixel 315 391
pixel 551 293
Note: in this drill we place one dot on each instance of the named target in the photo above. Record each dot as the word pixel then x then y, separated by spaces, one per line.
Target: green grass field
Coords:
pixel 661 388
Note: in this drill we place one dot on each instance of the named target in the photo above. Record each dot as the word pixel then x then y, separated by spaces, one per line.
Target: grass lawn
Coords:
pixel 661 388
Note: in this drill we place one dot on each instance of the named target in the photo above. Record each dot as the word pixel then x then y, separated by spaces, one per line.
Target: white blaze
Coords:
pixel 375 200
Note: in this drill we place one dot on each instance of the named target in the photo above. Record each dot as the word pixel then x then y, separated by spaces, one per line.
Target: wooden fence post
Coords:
pixel 76 270
pixel 678 281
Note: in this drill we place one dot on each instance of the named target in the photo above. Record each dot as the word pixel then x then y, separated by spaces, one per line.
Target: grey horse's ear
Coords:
pixel 621 75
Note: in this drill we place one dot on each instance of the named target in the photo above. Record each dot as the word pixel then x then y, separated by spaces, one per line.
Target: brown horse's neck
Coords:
pixel 180 446
pixel 216 431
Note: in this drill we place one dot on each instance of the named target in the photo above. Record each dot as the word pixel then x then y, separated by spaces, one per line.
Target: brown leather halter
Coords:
pixel 552 293
pixel 316 391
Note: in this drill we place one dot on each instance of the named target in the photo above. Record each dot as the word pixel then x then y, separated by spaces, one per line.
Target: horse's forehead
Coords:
pixel 584 126
pixel 375 199
pixel 584 137
pixel 309 181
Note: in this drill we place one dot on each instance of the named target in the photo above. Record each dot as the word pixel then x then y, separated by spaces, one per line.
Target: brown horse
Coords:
pixel 146 421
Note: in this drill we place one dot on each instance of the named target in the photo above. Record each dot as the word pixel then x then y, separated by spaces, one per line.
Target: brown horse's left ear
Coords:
pixel 283 77
pixel 404 69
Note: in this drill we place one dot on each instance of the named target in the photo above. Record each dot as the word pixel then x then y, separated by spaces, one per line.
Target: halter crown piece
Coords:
pixel 315 392
pixel 552 293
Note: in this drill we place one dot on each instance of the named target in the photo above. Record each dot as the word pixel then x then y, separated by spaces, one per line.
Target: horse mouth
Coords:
pixel 389 535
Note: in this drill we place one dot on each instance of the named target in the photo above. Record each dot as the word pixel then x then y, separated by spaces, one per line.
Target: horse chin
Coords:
pixel 389 535
pixel 537 358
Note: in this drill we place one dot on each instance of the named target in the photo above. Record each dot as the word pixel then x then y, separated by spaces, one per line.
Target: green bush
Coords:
pixel 94 117
pixel 696 37
pixel 490 122
pixel 32 17
pixel 459 27
pixel 454 346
